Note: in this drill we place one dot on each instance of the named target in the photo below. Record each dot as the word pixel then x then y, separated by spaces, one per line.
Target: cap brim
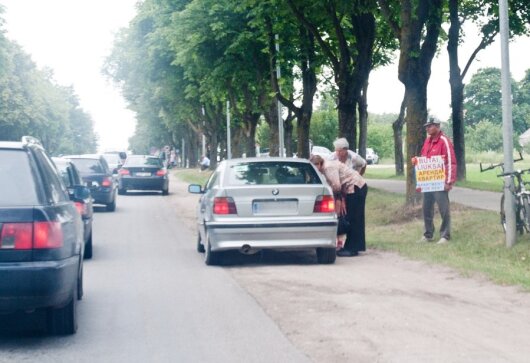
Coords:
pixel 430 123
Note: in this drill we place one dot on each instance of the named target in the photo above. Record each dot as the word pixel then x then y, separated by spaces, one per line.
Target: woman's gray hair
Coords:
pixel 341 143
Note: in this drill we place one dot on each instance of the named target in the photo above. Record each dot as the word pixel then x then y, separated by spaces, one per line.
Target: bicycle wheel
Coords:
pixel 503 215
pixel 525 212
pixel 519 216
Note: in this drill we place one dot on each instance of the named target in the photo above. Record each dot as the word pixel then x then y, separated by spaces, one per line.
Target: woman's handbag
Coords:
pixel 344 225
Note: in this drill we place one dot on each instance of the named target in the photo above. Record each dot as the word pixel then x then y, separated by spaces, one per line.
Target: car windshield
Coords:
pixel 272 173
pixel 17 185
pixel 89 166
pixel 134 161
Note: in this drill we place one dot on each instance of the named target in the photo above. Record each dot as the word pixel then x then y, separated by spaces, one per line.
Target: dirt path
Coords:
pixel 380 307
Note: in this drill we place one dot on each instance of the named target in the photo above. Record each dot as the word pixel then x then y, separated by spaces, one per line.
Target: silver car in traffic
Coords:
pixel 274 203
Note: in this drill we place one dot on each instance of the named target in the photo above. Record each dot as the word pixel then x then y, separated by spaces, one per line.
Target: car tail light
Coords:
pixel 123 171
pixel 25 236
pixel 324 204
pixel 47 235
pixel 224 205
pixel 81 208
pixel 161 172
pixel 106 182
pixel 18 236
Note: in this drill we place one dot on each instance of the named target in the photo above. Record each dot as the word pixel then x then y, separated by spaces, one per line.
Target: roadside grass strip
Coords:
pixel 476 247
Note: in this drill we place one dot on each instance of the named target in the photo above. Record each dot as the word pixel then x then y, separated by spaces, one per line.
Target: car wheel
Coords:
pixel 211 258
pixel 326 255
pixel 111 207
pixel 63 321
pixel 200 246
pixel 80 288
pixel 165 191
pixel 88 248
pixel 122 191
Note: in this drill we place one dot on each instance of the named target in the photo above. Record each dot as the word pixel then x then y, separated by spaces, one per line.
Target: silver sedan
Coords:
pixel 275 203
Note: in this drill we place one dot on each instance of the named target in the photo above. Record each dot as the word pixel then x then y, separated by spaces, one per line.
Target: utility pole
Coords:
pixel 507 124
pixel 281 151
pixel 228 146
pixel 203 136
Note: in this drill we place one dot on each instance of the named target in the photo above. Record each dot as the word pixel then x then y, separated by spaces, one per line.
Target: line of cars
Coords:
pixel 46 215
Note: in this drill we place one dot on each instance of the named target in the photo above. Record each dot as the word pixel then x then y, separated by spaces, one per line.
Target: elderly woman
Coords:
pixel 348 157
pixel 346 183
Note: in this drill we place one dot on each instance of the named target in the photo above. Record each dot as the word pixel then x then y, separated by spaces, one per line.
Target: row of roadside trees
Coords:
pixel 32 103
pixel 179 61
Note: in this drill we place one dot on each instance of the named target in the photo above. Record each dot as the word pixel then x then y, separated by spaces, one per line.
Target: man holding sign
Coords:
pixel 435 176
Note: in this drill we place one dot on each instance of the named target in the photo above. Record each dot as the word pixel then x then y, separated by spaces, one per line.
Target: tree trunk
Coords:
pixel 397 126
pixel 252 123
pixel 213 144
pixel 457 91
pixel 347 108
pixel 415 118
pixel 363 120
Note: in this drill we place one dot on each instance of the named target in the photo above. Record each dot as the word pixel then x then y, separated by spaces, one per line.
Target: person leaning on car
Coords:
pixel 437 143
pixel 348 157
pixel 349 189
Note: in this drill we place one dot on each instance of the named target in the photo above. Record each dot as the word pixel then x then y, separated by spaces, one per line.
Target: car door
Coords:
pixel 206 203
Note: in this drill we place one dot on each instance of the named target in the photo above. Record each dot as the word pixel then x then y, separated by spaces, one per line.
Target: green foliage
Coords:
pixel 380 138
pixel 483 101
pixel 33 104
pixel 484 136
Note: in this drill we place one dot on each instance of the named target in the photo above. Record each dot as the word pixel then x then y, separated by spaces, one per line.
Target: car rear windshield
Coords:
pixel 112 158
pixel 272 173
pixel 134 161
pixel 89 166
pixel 17 184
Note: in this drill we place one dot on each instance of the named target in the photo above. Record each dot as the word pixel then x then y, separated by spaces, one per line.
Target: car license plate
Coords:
pixel 275 207
pixel 143 174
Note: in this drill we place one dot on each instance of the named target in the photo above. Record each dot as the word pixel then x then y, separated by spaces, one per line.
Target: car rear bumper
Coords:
pixel 143 183
pixel 102 196
pixel 272 235
pixel 31 285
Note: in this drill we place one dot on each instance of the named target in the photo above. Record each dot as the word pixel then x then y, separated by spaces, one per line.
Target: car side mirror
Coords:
pixel 195 189
pixel 81 192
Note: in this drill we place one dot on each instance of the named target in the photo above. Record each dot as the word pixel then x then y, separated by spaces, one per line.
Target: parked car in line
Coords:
pixel 143 172
pixel 98 177
pixel 371 156
pixel 273 203
pixel 71 178
pixel 322 151
pixel 114 161
pixel 41 237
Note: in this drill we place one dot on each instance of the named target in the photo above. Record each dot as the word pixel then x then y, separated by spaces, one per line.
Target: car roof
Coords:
pixel 266 160
pixel 83 156
pixel 11 145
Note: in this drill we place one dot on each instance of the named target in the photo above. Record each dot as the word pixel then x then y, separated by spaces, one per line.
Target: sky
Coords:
pixel 73 37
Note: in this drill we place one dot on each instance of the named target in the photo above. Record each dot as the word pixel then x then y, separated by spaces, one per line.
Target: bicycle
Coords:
pixel 521 196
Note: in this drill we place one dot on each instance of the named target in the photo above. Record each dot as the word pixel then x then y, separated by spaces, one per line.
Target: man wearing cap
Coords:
pixel 437 143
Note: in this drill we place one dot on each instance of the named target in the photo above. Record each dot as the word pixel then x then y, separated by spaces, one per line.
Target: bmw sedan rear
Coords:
pixel 274 203
pixel 143 172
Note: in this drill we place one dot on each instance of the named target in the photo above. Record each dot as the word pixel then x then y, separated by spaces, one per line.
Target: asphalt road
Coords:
pixel 149 298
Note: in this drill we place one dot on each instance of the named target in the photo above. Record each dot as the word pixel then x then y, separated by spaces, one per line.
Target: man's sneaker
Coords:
pixel 425 239
pixel 442 241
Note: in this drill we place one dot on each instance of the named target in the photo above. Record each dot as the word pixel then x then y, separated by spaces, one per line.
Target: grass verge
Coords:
pixel 476 249
pixel 476 246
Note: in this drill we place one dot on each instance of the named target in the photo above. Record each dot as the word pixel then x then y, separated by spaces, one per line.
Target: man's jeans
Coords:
pixel 442 199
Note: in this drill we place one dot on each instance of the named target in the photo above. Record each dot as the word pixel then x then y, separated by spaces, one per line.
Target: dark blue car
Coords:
pixel 41 237
pixel 97 175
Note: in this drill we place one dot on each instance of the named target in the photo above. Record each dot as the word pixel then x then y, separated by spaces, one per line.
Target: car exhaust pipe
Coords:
pixel 246 249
